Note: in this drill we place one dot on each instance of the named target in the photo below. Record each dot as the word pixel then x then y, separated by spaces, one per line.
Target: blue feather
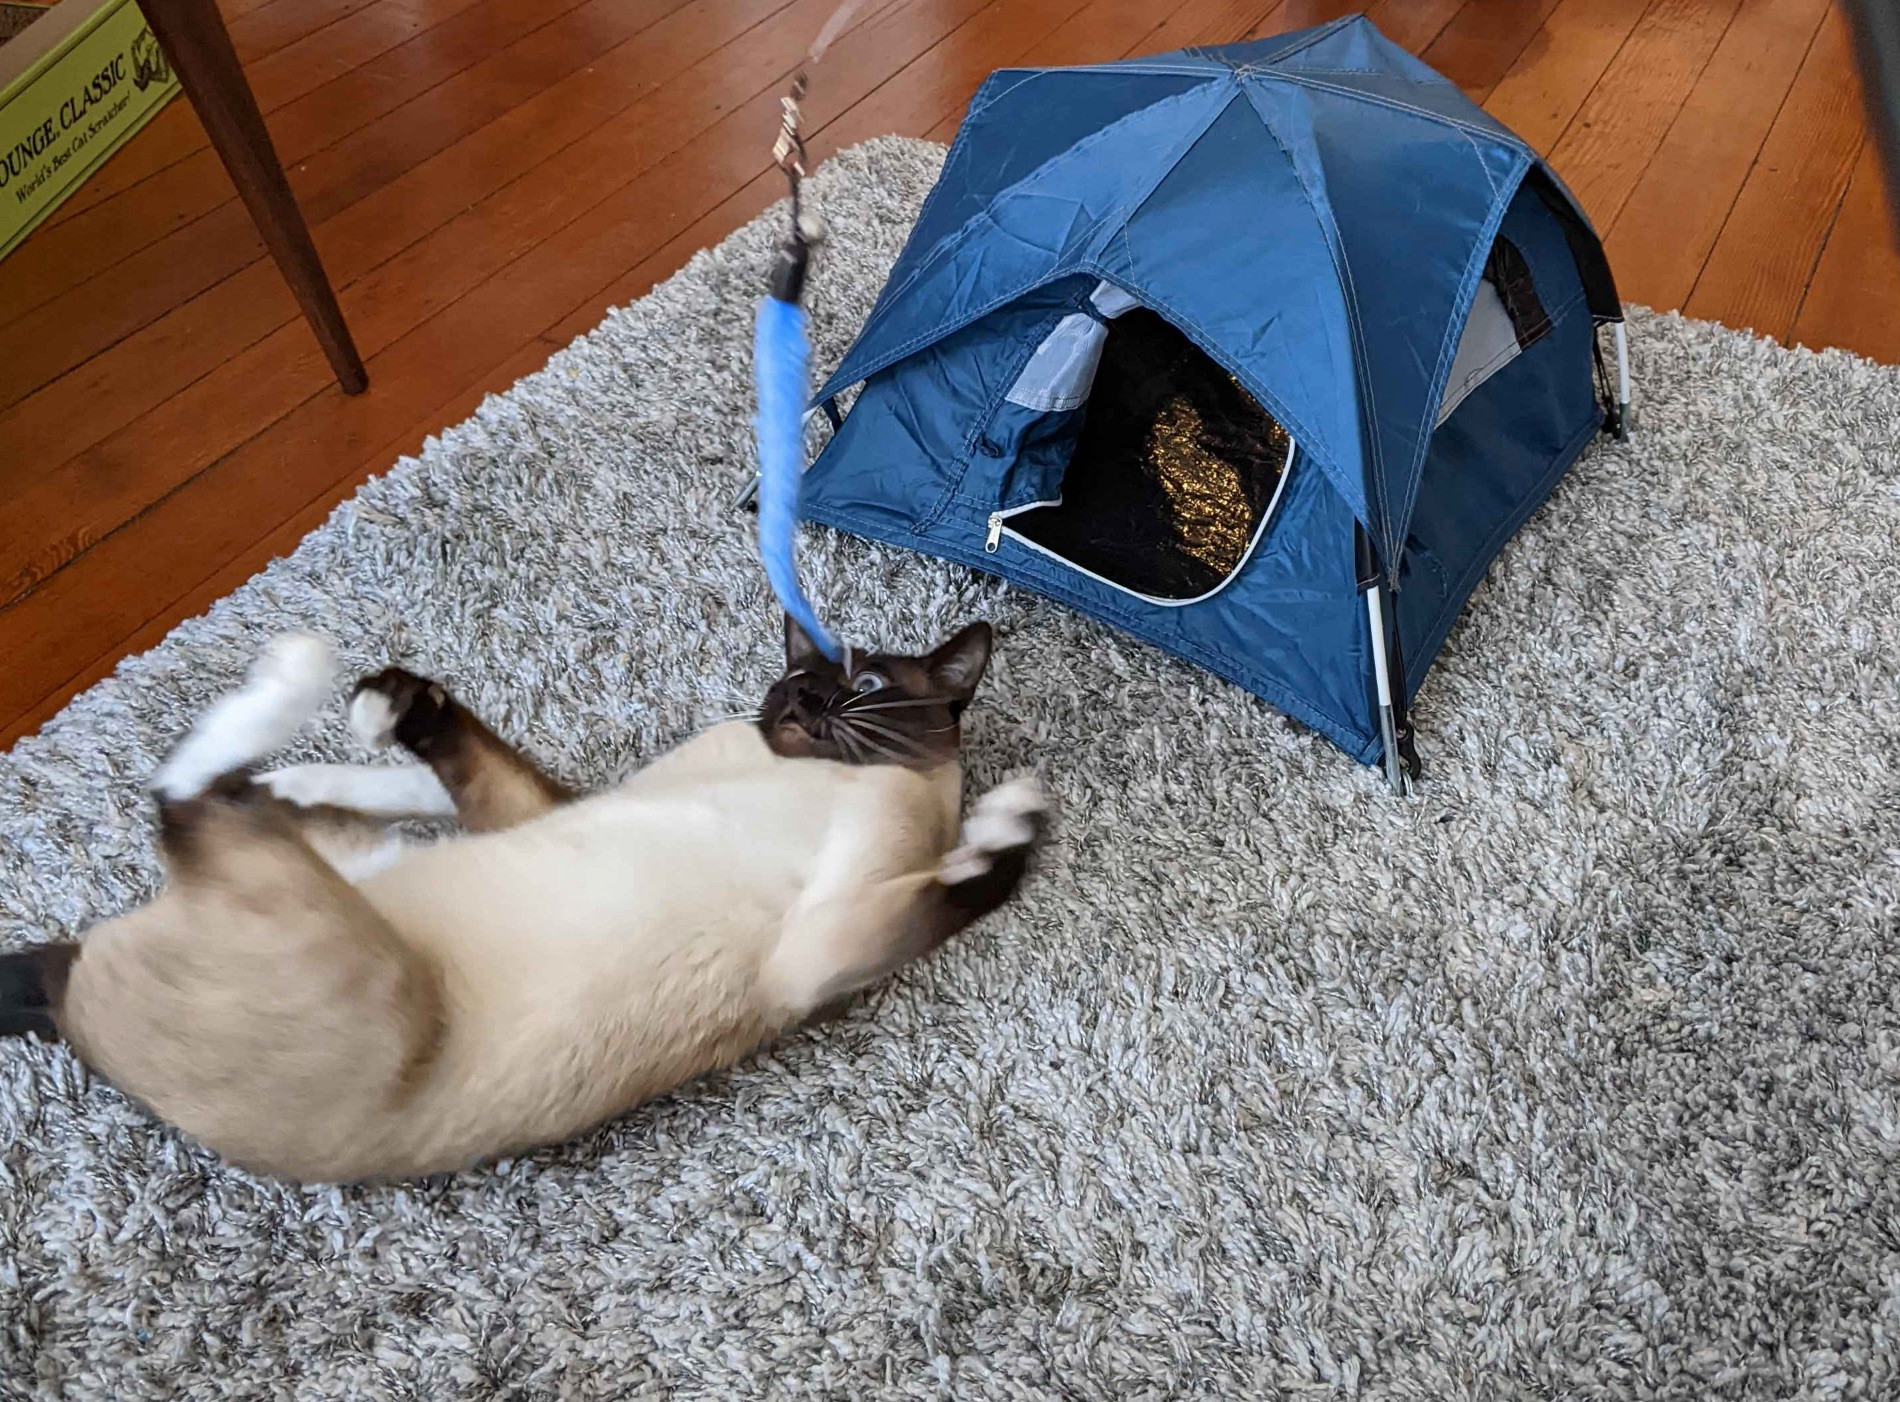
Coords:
pixel 779 355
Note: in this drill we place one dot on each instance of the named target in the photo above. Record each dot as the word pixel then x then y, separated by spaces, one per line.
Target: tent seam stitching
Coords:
pixel 1299 79
pixel 1329 235
pixel 1325 32
pixel 975 110
pixel 1483 167
pixel 963 233
pixel 930 199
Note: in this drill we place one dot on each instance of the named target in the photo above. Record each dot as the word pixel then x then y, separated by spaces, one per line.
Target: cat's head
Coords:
pixel 874 707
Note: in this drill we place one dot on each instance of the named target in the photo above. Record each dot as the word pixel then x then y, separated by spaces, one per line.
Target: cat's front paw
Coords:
pixel 1002 829
pixel 396 706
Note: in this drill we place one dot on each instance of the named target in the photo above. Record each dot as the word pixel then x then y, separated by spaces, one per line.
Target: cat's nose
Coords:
pixel 808 703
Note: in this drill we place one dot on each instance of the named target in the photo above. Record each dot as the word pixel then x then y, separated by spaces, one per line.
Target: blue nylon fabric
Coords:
pixel 1314 211
pixel 1502 450
pixel 1357 151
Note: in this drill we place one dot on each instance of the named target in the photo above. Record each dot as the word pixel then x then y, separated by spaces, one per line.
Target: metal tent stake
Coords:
pixel 1623 424
pixel 1388 711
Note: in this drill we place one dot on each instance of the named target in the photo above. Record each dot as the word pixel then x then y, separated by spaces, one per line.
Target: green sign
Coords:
pixel 72 108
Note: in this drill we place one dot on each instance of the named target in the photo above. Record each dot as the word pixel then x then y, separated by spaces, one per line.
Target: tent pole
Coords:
pixel 1382 673
pixel 1622 382
pixel 748 496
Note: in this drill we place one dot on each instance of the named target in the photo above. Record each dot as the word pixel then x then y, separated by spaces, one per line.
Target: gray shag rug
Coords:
pixel 1577 1077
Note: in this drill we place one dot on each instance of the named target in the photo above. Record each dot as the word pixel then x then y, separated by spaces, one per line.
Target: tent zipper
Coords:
pixel 998 528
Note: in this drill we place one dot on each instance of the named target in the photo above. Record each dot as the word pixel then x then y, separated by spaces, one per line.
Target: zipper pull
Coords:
pixel 995 537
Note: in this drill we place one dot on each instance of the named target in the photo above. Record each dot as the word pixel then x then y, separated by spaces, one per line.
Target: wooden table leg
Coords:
pixel 193 36
pixel 1877 38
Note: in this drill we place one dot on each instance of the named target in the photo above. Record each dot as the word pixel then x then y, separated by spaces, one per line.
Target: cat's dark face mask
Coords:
pixel 874 707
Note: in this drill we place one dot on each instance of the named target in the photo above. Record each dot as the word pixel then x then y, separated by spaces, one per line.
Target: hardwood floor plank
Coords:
pixel 929 92
pixel 1853 298
pixel 1662 237
pixel 1212 22
pixel 302 124
pixel 1309 14
pixel 231 9
pixel 1758 271
pixel 56 259
pixel 1484 39
pixel 1542 91
pixel 928 97
pixel 225 314
pixel 1413 24
pixel 173 132
pixel 348 45
pixel 278 23
pixel 138 570
pixel 1609 144
pixel 58 513
pixel 135 289
pixel 1101 31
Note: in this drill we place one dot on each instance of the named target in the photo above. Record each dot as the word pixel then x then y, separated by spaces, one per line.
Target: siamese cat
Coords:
pixel 312 998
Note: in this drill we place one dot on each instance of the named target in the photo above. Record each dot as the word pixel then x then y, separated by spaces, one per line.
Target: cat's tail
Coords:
pixel 32 983
pixel 287 685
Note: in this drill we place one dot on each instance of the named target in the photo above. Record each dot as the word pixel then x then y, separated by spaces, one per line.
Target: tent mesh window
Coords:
pixel 1174 471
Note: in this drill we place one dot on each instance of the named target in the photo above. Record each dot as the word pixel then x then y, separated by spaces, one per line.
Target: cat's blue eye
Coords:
pixel 868 682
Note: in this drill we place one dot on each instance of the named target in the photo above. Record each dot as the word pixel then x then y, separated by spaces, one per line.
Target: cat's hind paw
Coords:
pixel 395 706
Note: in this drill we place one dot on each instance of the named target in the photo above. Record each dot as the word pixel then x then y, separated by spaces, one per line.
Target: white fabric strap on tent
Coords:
pixel 1060 374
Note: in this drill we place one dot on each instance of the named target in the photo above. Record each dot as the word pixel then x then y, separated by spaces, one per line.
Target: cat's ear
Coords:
pixel 801 653
pixel 957 666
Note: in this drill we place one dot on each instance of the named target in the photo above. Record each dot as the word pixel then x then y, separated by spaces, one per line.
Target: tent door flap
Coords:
pixel 1148 468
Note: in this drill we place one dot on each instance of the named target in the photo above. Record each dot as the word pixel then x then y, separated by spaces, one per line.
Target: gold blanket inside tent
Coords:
pixel 1174 471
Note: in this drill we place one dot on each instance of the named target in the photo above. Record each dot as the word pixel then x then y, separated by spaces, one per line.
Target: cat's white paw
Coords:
pixel 373 718
pixel 302 664
pixel 1007 818
pixel 305 785
pixel 288 684
pixel 377 791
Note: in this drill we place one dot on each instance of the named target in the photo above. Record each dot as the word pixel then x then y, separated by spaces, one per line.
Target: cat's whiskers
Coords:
pixel 889 733
pixel 900 747
pixel 853 751
pixel 882 748
pixel 906 704
pixel 750 717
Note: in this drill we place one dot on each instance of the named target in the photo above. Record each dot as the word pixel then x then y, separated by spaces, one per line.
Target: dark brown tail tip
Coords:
pixel 32 984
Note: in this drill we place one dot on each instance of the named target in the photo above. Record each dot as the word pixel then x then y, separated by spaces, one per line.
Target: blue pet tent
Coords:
pixel 1260 353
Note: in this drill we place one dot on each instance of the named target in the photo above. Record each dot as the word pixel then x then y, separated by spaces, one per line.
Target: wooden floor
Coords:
pixel 486 177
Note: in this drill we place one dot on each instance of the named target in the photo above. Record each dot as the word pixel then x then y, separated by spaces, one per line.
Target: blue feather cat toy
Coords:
pixel 780 355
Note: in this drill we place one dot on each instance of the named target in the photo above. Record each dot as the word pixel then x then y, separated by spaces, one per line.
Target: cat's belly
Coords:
pixel 599 955
pixel 608 885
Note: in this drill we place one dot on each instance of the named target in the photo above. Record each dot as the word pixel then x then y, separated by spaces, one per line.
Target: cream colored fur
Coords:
pixel 494 991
